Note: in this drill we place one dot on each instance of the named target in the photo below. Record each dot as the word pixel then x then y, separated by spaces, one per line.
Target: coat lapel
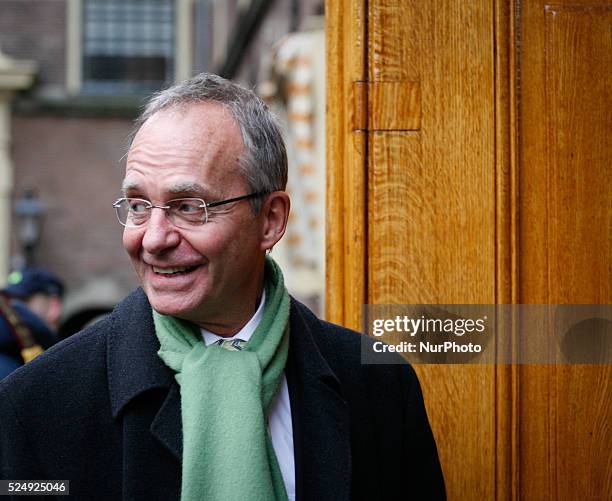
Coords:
pixel 164 427
pixel 134 367
pixel 320 416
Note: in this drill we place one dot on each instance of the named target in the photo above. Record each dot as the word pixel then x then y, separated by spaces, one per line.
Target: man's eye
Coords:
pixel 138 207
pixel 188 207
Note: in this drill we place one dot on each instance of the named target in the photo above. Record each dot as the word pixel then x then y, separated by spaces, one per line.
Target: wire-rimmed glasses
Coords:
pixel 181 212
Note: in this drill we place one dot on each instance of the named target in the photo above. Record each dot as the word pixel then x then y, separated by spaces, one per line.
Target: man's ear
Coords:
pixel 275 212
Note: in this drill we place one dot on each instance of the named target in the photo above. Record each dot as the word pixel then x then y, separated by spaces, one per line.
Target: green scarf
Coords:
pixel 225 398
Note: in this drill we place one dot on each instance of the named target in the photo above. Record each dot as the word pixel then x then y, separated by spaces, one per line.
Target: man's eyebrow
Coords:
pixel 189 187
pixel 129 184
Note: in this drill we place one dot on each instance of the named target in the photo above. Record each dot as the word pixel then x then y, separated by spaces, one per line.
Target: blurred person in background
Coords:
pixel 30 310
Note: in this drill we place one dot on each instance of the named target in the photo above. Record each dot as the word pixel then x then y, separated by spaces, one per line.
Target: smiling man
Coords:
pixel 210 274
pixel 210 382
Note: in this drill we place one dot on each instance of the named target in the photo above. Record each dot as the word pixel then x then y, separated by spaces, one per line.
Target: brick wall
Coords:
pixel 73 163
pixel 36 29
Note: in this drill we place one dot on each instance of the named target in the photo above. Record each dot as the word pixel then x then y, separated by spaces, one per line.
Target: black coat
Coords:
pixel 103 411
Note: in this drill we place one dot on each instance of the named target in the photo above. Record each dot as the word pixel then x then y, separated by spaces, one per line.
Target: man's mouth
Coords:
pixel 174 271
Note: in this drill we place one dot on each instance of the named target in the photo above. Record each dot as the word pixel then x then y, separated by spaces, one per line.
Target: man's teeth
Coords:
pixel 170 271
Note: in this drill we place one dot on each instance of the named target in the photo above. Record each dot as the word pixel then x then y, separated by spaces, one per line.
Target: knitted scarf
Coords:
pixel 225 398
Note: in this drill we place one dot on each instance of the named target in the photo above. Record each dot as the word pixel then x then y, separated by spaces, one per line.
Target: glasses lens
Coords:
pixel 187 211
pixel 132 211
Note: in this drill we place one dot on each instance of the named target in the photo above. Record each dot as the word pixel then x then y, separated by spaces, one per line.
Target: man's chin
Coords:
pixel 165 310
pixel 168 305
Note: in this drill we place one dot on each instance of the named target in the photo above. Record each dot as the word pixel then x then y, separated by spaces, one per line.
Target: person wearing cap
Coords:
pixel 210 382
pixel 30 310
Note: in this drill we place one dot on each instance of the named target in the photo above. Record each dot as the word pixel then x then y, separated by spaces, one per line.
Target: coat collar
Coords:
pixel 320 415
pixel 133 364
pixel 319 412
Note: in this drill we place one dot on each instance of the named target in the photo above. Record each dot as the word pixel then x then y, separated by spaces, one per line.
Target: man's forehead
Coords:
pixel 178 151
pixel 202 114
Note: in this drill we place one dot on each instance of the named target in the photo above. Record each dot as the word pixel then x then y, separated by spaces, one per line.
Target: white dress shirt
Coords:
pixel 279 417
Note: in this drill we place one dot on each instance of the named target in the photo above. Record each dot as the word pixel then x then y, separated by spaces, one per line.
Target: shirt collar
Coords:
pixel 246 332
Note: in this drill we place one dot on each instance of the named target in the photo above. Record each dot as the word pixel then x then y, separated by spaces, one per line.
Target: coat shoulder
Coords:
pixel 73 363
pixel 343 347
pixel 77 366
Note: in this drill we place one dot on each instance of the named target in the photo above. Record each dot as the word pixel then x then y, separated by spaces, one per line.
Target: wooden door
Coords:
pixel 469 162
pixel 565 250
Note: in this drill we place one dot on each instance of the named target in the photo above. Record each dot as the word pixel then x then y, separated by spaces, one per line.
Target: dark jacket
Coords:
pixel 103 411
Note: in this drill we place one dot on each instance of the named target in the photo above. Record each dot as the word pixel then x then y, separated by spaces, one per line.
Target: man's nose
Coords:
pixel 160 233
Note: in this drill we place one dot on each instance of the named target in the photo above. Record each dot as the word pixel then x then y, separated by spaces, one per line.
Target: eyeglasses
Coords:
pixel 181 212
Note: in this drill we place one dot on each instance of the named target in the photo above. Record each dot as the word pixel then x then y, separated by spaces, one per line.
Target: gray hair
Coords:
pixel 264 161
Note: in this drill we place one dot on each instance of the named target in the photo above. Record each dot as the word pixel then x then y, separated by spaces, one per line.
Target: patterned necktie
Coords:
pixel 231 344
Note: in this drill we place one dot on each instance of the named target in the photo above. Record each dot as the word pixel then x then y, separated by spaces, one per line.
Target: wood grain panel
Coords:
pixel 460 399
pixel 431 206
pixel 579 125
pixel 397 105
pixel 395 35
pixel 506 245
pixel 565 234
pixel 402 214
pixel 456 148
pixel 537 460
pixel 345 158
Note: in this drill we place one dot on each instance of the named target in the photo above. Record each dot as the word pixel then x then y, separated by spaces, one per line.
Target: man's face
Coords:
pixel 212 272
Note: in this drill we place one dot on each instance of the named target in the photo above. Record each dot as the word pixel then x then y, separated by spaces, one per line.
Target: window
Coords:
pixel 128 46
